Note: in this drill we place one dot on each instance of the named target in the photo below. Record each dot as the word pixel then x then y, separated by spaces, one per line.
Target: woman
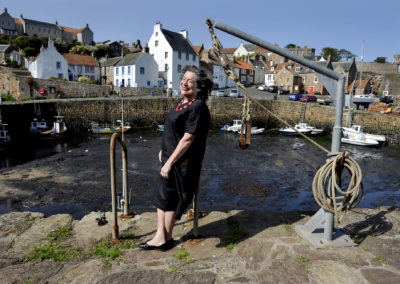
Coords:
pixel 181 155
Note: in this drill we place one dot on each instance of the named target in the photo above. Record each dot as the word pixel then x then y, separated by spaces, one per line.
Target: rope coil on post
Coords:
pixel 338 200
pixel 335 201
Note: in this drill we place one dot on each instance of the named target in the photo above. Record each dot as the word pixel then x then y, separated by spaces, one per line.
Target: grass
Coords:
pixel 107 250
pixel 53 251
pixel 183 255
pixel 235 233
pixel 287 227
pixel 62 233
pixel 382 259
pixel 173 270
pixel 304 262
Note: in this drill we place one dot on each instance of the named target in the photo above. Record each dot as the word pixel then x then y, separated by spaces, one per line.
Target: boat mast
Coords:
pixel 362 59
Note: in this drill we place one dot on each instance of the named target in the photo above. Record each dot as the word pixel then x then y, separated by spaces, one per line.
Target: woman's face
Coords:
pixel 188 85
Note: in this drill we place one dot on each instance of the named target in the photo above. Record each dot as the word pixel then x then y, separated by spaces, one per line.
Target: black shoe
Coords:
pixel 164 247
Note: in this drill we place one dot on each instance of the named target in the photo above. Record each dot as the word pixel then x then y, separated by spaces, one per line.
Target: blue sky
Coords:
pixel 315 23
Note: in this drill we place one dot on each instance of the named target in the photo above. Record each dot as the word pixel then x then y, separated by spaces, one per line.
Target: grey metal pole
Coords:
pixel 276 49
pixel 335 147
pixel 113 188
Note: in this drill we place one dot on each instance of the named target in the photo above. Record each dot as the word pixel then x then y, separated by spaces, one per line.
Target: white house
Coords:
pixel 172 51
pixel 49 63
pixel 82 65
pixel 137 70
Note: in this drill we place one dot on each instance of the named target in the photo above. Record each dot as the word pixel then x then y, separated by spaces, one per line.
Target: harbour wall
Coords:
pixel 147 112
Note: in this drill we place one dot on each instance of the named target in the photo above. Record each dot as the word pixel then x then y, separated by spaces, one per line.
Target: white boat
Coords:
pixel 356 130
pixel 254 130
pixel 360 140
pixel 314 130
pixel 58 129
pixel 290 131
pixel 160 127
pixel 237 125
pixel 38 126
pixel 109 128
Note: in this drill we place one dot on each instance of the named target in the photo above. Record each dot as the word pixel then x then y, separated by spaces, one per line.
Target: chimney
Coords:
pixel 146 48
pixel 158 26
pixel 5 10
pixel 184 33
pixel 21 16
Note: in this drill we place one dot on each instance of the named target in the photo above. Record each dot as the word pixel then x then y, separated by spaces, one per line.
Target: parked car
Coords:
pixel 282 91
pixel 272 89
pixel 221 93
pixel 295 96
pixel 308 98
pixel 262 88
pixel 234 93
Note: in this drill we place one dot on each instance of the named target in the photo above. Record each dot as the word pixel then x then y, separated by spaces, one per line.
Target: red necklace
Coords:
pixel 179 108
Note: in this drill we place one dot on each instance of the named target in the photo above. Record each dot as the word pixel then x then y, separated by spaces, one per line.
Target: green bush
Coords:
pixel 59 79
pixel 7 97
pixel 84 79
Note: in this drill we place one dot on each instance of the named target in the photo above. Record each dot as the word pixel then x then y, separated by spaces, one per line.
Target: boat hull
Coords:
pixel 364 142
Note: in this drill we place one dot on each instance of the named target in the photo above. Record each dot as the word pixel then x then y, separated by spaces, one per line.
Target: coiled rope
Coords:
pixel 334 200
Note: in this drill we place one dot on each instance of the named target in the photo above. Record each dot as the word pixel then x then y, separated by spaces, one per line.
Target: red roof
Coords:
pixel 229 50
pixel 78 59
pixel 71 30
pixel 359 86
pixel 198 48
pixel 17 21
pixel 243 65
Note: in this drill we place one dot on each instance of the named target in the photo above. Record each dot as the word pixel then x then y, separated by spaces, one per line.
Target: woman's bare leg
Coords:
pixel 169 224
pixel 160 236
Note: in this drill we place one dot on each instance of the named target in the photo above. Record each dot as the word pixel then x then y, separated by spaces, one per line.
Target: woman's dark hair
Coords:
pixel 204 80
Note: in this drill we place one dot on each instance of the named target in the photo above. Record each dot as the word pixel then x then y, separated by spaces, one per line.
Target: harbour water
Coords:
pixel 275 173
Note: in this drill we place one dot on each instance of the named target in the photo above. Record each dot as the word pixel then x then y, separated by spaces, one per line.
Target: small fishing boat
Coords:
pixel 314 130
pixel 160 127
pixel 360 140
pixel 357 130
pixel 290 131
pixel 37 126
pixel 109 128
pixel 237 125
pixel 254 130
pixel 59 128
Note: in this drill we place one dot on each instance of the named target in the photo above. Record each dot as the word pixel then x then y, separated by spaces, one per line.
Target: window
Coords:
pixel 272 68
pixel 269 77
pixel 297 69
pixel 129 82
pixel 117 72
pixel 315 79
pixel 60 75
pixel 80 68
pixel 123 70
pixel 166 67
pixel 179 68
pixel 87 69
pixel 156 33
pixel 91 69
pixel 304 80
pixel 48 31
pixel 141 70
pixel 221 78
pixel 71 67
pixel 58 63
pixel 179 55
pixel 156 43
pixel 287 80
pixel 243 71
pixel 194 57
pixel 129 70
pixel 116 82
pixel 92 77
pixel 39 30
pixel 187 56
pixel 251 72
pixel 148 83
pixel 166 55
pixel 290 67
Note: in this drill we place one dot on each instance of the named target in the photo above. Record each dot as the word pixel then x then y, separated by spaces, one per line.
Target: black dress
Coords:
pixel 176 192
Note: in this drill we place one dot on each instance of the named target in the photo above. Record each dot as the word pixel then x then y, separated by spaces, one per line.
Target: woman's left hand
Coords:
pixel 165 170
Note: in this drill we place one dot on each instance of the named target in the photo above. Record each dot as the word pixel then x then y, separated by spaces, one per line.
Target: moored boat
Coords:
pixel 4 137
pixel 37 126
pixel 357 130
pixel 314 130
pixel 59 128
pixel 254 130
pixel 360 140
pixel 109 128
pixel 290 131
pixel 236 126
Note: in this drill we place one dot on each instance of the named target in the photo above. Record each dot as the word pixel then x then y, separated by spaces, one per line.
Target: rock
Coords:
pixel 38 233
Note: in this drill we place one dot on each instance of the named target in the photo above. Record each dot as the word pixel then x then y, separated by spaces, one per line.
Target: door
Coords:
pixel 311 90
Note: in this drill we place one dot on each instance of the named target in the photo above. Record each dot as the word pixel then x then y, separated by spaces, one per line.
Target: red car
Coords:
pixel 308 99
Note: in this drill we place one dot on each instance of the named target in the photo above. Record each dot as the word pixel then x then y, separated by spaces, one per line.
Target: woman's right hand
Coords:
pixel 159 156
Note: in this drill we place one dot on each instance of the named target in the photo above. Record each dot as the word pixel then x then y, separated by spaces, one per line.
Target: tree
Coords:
pixel 333 52
pixel 380 60
pixel 80 49
pixel 346 54
pixel 291 45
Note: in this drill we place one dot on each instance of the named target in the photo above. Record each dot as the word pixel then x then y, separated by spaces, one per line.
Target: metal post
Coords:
pixel 114 137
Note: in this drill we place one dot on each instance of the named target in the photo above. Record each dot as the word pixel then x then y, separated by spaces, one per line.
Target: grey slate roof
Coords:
pixel 42 24
pixel 306 70
pixel 257 63
pixel 178 42
pixel 129 59
pixel 110 61
pixel 4 47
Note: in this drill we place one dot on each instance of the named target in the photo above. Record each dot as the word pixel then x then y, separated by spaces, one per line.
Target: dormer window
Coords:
pixel 297 69
pixel 315 79
pixel 290 67
pixel 179 55
pixel 272 68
